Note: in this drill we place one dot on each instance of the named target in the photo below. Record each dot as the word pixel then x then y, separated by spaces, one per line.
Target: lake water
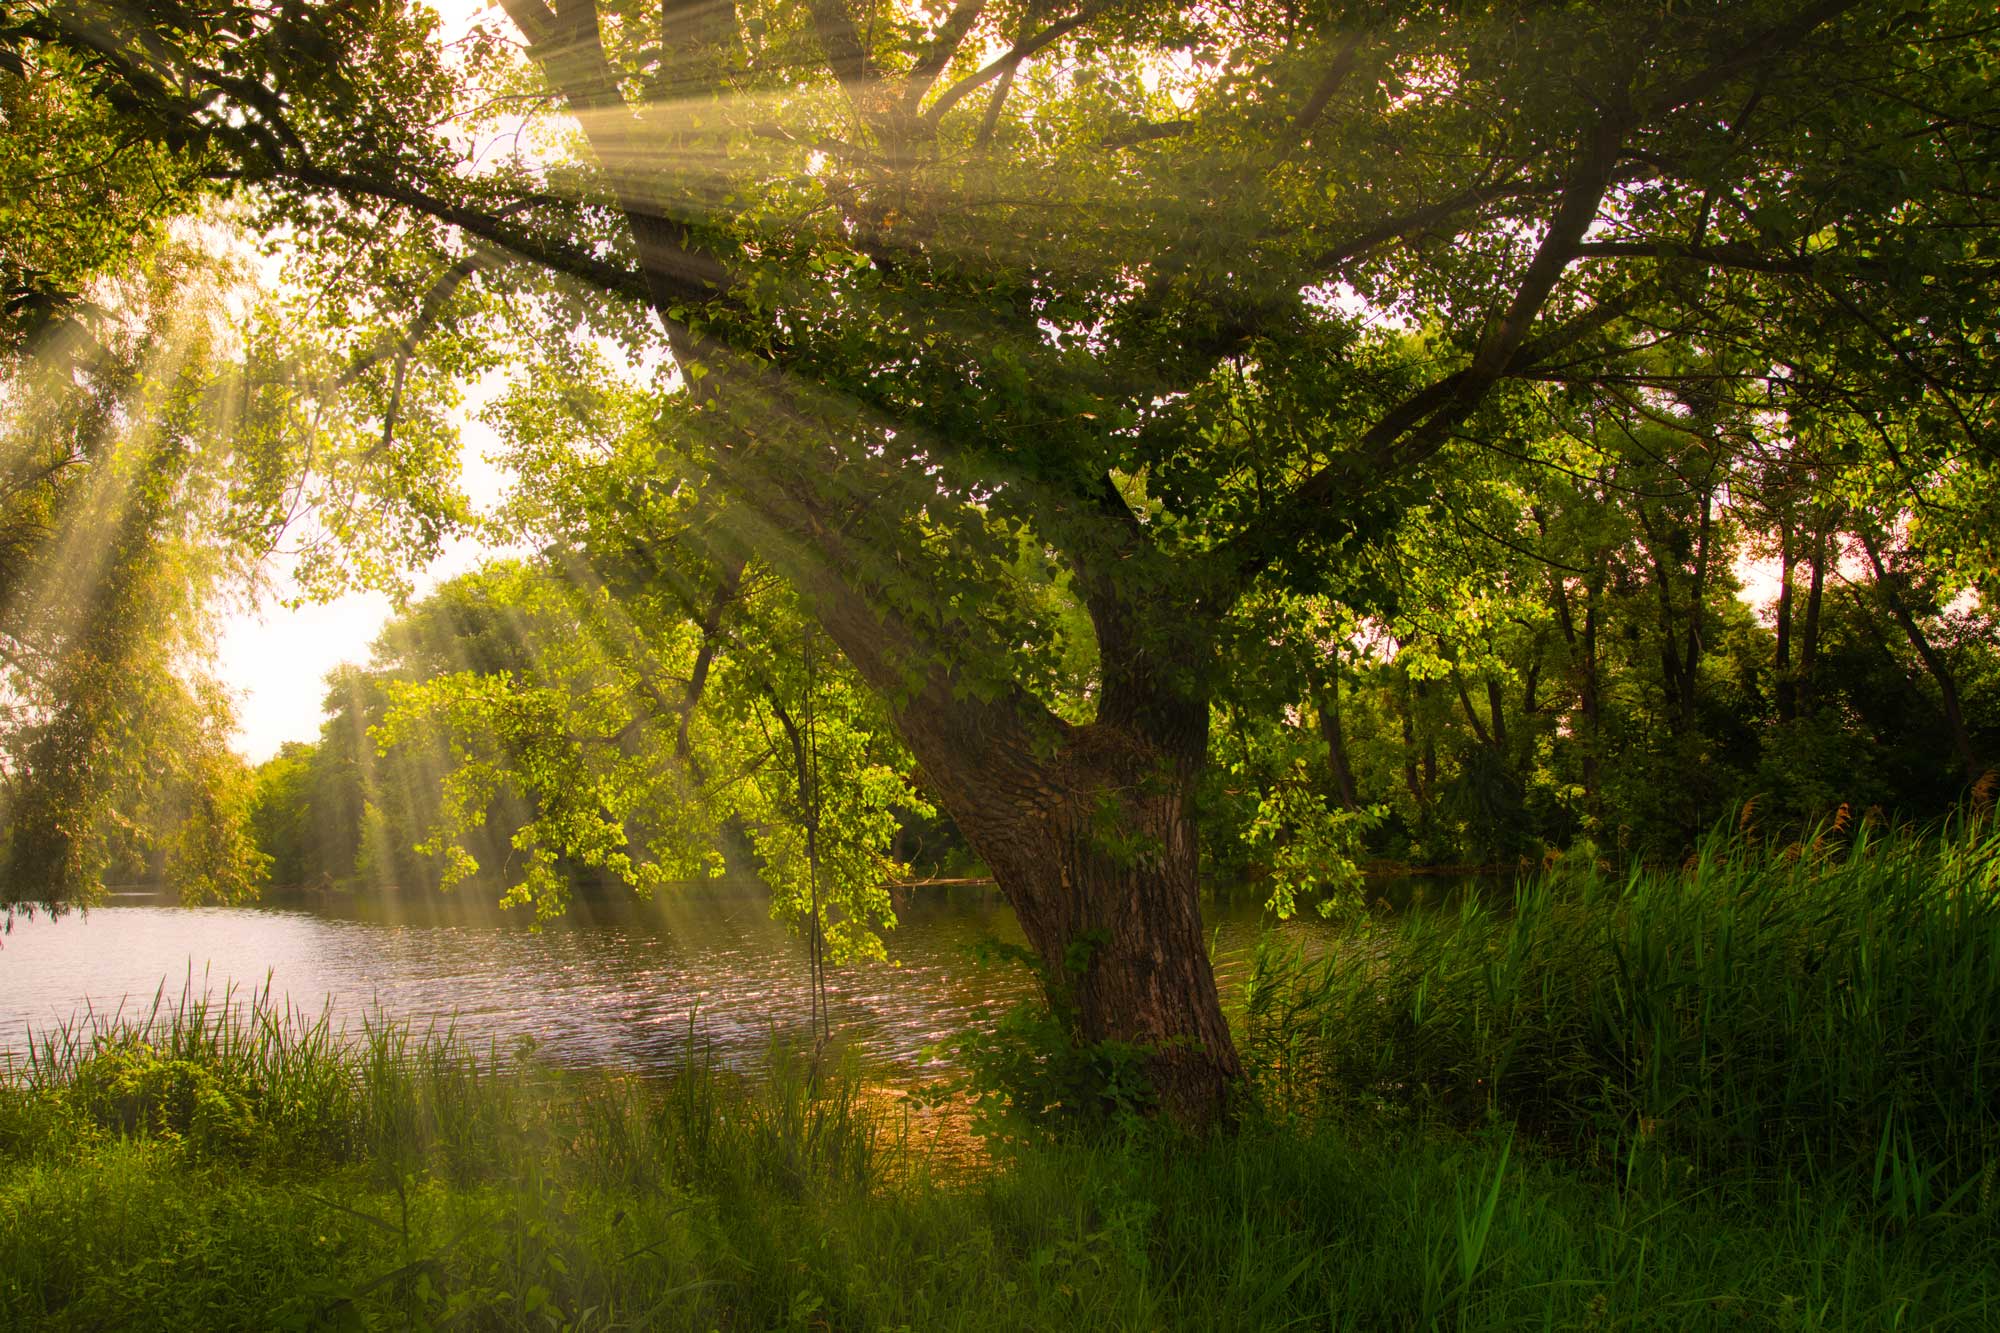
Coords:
pixel 618 988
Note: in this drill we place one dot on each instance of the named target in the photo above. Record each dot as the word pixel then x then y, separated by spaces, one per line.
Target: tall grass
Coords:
pixel 242 1071
pixel 242 1075
pixel 593 1213
pixel 1750 1093
pixel 1821 1009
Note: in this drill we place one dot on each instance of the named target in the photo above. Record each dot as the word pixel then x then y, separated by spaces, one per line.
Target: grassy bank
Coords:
pixel 1421 1155
pixel 1824 1010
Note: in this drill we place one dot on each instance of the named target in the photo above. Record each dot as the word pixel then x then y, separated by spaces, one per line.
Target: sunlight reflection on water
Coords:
pixel 620 989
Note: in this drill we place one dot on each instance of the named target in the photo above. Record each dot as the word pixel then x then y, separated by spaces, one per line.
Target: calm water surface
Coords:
pixel 619 988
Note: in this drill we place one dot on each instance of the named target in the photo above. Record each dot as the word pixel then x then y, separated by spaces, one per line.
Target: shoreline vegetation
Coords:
pixel 1759 1090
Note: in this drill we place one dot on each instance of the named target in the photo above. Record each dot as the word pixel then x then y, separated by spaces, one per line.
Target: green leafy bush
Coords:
pixel 129 1086
pixel 1036 1075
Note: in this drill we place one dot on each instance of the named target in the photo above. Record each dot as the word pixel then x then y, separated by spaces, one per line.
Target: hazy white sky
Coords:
pixel 276 659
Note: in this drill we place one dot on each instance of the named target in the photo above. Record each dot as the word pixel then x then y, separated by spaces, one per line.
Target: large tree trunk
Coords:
pixel 1095 847
pixel 1089 831
pixel 1103 873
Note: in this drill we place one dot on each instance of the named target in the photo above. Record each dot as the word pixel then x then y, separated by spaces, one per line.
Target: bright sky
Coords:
pixel 276 659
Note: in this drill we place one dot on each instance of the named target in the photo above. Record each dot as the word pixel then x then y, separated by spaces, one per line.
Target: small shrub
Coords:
pixel 34 1125
pixel 131 1087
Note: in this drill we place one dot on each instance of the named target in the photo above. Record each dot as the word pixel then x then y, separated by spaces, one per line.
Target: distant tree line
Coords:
pixel 1573 660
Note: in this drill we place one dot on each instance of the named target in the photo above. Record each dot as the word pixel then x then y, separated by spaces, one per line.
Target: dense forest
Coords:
pixel 1626 710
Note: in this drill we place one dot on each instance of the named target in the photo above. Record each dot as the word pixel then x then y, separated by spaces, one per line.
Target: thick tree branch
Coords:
pixel 1748 53
pixel 990 121
pixel 1323 92
pixel 1730 256
pixel 567 45
pixel 570 50
pixel 1573 216
pixel 938 52
pixel 1403 225
pixel 570 262
pixel 710 625
pixel 1010 60
pixel 1405 436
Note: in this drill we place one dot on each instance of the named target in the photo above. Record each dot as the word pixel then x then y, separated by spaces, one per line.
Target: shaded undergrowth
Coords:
pixel 1750 1095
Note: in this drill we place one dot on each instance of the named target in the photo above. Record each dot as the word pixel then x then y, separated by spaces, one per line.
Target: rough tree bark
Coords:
pixel 1090 834
pixel 1102 866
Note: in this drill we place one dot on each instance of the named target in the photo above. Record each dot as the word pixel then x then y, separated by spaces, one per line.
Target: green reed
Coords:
pixel 1827 1006
pixel 1751 1092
